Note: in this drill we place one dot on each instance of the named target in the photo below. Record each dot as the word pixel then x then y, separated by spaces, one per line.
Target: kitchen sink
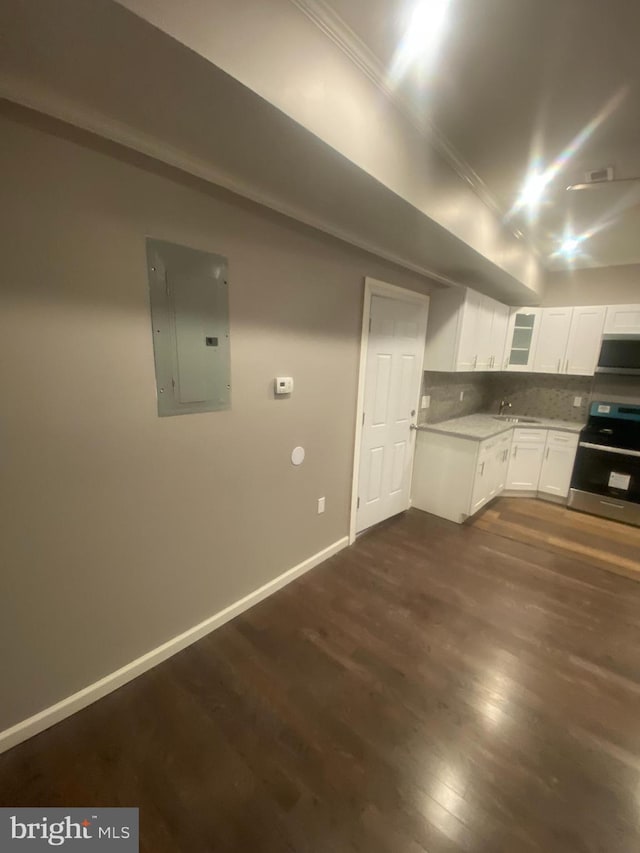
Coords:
pixel 514 419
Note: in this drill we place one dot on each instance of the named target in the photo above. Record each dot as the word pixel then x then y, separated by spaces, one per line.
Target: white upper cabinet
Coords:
pixel 622 320
pixel 497 334
pixel 569 340
pixel 585 337
pixel 523 326
pixel 466 331
pixel 470 329
pixel 483 333
pixel 551 347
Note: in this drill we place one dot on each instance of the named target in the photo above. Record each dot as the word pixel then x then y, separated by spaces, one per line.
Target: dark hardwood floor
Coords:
pixel 598 541
pixel 433 688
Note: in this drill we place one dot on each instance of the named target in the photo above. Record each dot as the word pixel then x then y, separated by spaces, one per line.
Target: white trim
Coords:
pixel 374 287
pixel 65 708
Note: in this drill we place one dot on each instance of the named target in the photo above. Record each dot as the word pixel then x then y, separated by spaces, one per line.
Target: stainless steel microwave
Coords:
pixel 620 354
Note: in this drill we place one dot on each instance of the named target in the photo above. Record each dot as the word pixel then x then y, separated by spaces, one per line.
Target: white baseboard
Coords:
pixel 65 708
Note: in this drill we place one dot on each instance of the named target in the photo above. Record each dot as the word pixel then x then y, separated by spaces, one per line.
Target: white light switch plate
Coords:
pixel 283 385
pixel 577 401
pixel 320 505
pixel 461 396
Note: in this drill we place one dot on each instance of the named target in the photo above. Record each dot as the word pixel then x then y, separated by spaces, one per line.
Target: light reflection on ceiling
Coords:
pixel 421 41
pixel 539 179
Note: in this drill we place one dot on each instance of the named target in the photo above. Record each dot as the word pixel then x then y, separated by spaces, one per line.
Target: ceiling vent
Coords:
pixel 596 176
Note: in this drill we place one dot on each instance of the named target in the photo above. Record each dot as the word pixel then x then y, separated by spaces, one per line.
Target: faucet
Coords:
pixel 504 404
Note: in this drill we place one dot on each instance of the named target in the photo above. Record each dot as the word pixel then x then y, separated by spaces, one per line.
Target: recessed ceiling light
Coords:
pixel 570 246
pixel 426 22
pixel 422 36
pixel 533 189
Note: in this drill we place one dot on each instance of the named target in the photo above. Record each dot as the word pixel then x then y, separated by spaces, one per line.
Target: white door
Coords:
pixel 552 340
pixel 481 484
pixel 393 376
pixel 585 339
pixel 524 467
pixel 502 464
pixel 557 465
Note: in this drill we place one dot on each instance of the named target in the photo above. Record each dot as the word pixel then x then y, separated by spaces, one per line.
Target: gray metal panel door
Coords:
pixel 190 317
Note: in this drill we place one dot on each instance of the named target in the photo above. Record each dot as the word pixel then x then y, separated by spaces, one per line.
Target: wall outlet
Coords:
pixel 461 396
pixel 320 506
pixel 425 402
pixel 577 401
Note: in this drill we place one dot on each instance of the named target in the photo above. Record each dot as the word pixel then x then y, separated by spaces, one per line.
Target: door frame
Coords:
pixel 375 287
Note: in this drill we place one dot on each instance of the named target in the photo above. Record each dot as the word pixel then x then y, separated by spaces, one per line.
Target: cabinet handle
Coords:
pixel 546 456
pixel 475 362
pixel 515 451
pixel 559 363
pixel 482 470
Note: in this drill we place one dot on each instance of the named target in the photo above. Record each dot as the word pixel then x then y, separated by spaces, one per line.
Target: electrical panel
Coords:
pixel 189 294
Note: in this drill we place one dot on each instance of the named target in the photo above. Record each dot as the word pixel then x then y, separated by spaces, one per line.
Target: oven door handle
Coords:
pixel 605 449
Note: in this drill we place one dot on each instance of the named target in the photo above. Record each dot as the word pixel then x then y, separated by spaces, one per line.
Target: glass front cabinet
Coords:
pixel 522 335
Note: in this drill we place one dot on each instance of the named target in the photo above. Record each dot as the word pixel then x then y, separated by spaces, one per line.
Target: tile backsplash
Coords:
pixel 532 394
pixel 541 395
pixel 445 390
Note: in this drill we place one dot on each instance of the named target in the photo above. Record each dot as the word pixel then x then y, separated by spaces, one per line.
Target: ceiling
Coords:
pixel 514 78
pixel 169 109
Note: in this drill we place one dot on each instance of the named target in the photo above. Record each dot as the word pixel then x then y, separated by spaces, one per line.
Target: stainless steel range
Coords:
pixel 606 474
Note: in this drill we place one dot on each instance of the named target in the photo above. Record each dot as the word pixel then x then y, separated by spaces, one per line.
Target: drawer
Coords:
pixel 562 439
pixel 526 436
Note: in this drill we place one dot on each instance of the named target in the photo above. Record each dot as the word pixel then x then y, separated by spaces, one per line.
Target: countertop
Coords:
pixel 481 426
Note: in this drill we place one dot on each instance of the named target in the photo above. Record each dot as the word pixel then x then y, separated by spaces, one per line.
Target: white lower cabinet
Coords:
pixel 491 469
pixel 557 464
pixel 527 451
pixel 454 477
pixel 542 461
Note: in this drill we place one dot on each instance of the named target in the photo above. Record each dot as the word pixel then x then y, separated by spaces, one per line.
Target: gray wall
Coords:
pixel 599 286
pixel 121 529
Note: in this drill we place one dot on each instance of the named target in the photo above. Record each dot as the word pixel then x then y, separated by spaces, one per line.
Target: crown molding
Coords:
pixel 334 27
